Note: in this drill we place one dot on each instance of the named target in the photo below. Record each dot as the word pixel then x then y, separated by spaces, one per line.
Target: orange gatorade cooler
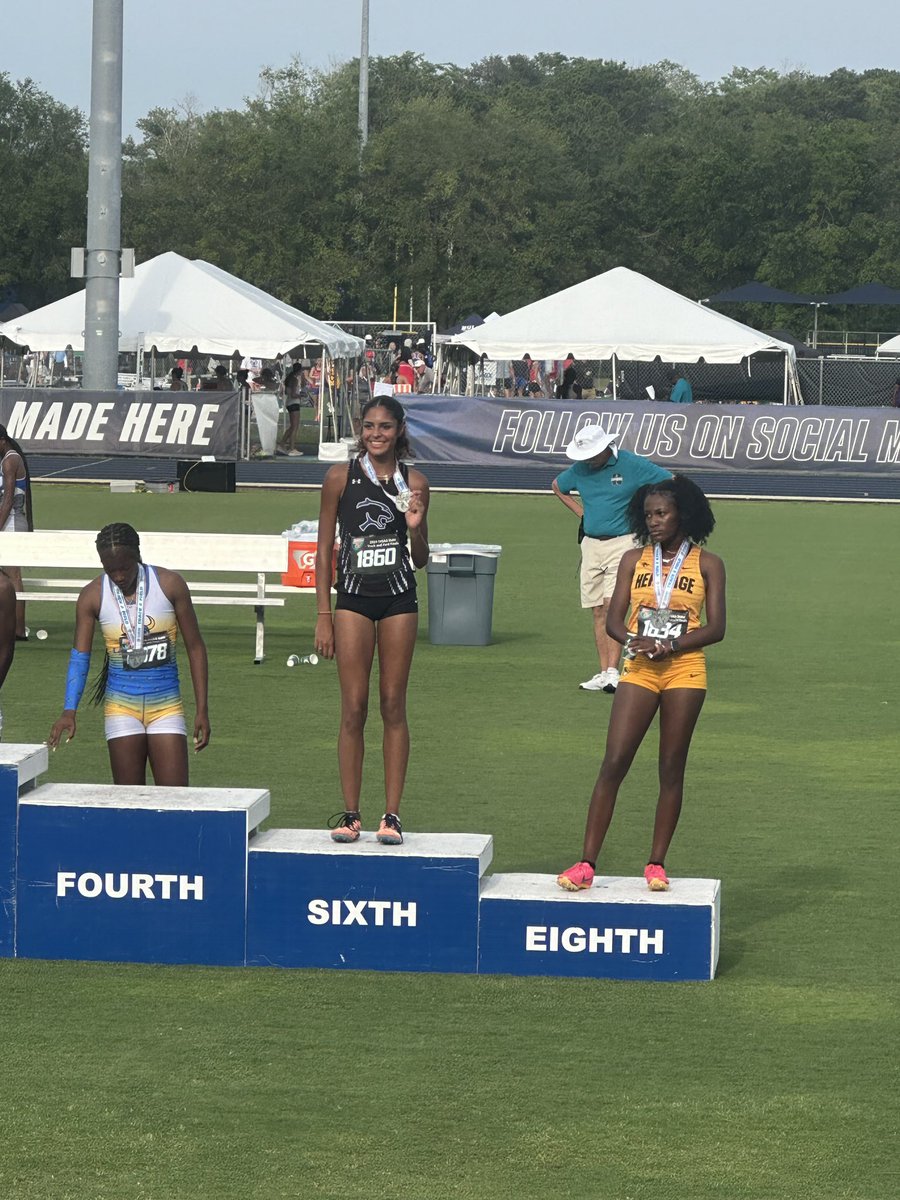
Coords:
pixel 301 571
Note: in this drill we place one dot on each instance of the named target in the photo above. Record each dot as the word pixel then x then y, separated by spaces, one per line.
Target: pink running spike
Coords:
pixel 347 827
pixel 657 880
pixel 576 878
pixel 390 831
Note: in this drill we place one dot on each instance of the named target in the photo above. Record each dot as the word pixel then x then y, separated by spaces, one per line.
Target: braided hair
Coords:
pixel 117 536
pixel 14 445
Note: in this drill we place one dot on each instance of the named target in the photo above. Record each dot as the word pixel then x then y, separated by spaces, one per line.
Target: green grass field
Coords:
pixel 777 1081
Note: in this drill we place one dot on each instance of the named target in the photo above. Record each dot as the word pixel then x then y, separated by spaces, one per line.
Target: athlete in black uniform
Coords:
pixel 380 505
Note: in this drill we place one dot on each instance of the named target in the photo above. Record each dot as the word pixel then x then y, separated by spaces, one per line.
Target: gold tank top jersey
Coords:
pixel 688 595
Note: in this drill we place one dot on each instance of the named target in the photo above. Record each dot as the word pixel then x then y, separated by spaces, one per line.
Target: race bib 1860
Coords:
pixel 377 554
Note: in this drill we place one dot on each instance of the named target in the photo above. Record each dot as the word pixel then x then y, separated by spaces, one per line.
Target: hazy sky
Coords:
pixel 213 50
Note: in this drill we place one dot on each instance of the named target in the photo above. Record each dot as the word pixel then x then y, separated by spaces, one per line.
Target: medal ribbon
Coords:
pixel 399 482
pixel 664 590
pixel 134 634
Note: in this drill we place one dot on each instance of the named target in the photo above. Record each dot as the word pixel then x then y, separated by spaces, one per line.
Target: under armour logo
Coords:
pixel 617 479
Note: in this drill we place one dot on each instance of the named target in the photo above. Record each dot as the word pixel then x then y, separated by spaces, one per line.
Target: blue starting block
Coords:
pixel 617 929
pixel 314 903
pixel 20 766
pixel 135 874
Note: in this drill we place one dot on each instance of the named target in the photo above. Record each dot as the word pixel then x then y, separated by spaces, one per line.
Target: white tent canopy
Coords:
pixel 890 347
pixel 174 304
pixel 618 314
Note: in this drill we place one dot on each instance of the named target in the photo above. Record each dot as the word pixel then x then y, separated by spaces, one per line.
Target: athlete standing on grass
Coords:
pixel 605 479
pixel 140 609
pixel 380 506
pixel 15 510
pixel 7 629
pixel 665 583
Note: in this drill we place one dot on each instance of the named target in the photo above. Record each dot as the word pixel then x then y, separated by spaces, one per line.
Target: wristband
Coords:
pixel 76 678
pixel 673 644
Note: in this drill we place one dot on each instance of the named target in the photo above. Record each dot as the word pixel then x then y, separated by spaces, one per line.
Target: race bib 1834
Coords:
pixel 661 622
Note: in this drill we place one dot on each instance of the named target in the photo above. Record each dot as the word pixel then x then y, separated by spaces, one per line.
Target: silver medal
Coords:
pixel 135 658
pixel 402 501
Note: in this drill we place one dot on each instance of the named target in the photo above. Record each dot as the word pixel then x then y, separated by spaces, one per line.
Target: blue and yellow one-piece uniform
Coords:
pixel 149 692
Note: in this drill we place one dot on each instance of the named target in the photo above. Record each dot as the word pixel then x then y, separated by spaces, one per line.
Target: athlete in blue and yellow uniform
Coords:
pixel 141 611
pixel 663 586
pixel 147 695
pixel 381 506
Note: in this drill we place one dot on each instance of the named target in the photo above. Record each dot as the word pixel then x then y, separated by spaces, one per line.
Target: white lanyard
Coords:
pixel 401 500
pixel 664 590
pixel 134 634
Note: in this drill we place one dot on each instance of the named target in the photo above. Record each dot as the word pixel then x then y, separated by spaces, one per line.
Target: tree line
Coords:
pixel 491 185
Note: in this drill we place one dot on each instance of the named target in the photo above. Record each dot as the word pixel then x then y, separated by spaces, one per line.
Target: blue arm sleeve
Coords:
pixel 79 661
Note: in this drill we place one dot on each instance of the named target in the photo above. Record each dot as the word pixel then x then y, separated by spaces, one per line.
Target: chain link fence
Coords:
pixel 844 382
pixel 384 341
pixel 841 382
pixel 848 382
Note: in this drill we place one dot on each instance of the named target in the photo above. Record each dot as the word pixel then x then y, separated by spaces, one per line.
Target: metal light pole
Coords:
pixel 364 79
pixel 104 208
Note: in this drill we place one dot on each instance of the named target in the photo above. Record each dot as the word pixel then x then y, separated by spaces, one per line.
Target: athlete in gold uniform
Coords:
pixel 663 588
pixel 686 669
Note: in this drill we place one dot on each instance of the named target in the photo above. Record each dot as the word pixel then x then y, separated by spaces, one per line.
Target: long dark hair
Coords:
pixel 695 517
pixel 14 445
pixel 117 536
pixel 402 449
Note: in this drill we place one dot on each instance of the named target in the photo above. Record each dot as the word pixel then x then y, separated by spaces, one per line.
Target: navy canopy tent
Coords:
pixel 472 321
pixel 866 293
pixel 801 349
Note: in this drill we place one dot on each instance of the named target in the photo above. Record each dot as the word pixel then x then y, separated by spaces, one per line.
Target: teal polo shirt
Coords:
pixel 606 491
pixel 682 393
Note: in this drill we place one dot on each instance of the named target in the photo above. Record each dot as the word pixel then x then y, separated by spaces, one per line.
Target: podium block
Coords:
pixel 135 874
pixel 314 903
pixel 617 929
pixel 20 765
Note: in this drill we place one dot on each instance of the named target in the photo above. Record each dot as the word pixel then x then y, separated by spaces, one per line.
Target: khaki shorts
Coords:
pixel 599 567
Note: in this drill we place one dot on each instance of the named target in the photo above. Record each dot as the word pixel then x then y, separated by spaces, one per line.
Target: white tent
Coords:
pixel 618 314
pixel 174 304
pixel 890 347
pixel 624 316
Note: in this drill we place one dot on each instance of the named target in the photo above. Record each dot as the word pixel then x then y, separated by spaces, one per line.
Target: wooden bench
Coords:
pixel 256 555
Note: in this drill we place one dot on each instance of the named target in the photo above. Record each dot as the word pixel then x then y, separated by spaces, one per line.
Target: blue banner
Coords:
pixel 489 431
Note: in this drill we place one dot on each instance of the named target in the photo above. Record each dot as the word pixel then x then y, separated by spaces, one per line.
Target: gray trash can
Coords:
pixel 461 594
